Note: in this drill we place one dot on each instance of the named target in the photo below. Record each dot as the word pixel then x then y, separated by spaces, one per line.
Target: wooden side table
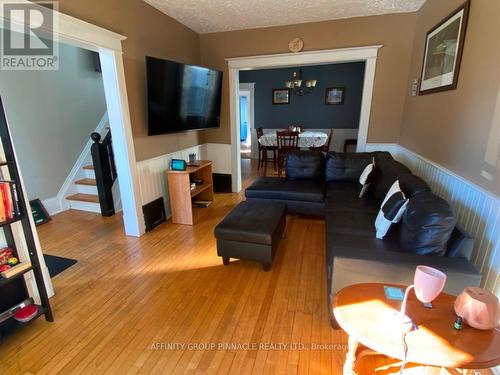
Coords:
pixel 370 319
pixel 180 193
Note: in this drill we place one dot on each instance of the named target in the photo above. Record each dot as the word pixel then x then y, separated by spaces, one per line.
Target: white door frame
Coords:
pixel 249 87
pixel 367 54
pixel 82 34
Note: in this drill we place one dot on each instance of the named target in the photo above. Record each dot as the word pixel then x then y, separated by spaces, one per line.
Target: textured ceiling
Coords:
pixel 206 16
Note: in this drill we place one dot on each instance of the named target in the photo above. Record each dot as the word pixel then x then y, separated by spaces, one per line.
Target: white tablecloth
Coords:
pixel 306 139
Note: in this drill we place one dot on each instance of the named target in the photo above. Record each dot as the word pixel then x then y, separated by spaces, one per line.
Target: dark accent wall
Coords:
pixel 308 110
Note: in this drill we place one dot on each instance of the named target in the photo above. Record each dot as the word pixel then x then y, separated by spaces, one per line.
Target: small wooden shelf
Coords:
pixel 10 221
pixel 11 326
pixel 4 281
pixel 180 193
pixel 199 189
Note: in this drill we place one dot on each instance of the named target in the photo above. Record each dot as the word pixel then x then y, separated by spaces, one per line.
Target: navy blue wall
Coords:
pixel 308 110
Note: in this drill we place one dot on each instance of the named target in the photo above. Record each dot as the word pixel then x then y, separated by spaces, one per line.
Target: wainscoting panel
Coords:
pixel 152 174
pixel 477 210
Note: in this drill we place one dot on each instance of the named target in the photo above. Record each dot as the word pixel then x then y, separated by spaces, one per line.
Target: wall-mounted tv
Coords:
pixel 181 97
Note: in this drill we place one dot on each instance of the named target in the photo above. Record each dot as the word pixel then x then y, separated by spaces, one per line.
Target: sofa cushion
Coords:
pixel 346 166
pixel 304 165
pixel 281 188
pixel 386 173
pixel 391 210
pixel 412 185
pixel 427 225
pixel 343 197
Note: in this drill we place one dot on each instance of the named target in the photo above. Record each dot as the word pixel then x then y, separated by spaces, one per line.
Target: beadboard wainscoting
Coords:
pixel 477 210
pixel 152 172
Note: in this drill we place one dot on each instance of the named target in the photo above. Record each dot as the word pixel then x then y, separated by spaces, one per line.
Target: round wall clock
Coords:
pixel 296 45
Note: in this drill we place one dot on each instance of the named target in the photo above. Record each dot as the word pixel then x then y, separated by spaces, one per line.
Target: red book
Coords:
pixel 7 199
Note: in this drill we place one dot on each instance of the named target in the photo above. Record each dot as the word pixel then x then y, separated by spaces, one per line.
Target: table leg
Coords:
pixel 350 358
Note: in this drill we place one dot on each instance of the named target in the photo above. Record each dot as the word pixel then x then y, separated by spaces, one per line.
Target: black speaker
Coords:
pixel 154 214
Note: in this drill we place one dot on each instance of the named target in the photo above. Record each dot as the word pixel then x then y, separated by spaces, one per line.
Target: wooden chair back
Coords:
pixel 287 140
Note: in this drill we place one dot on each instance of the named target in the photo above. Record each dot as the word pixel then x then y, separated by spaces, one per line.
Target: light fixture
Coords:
pixel 298 86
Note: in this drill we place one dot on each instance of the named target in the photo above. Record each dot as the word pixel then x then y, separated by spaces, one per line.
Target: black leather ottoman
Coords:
pixel 251 231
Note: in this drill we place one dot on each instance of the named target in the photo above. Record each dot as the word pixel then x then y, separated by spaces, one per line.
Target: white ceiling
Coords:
pixel 206 16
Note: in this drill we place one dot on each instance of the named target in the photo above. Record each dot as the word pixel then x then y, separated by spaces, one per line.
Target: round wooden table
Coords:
pixel 370 319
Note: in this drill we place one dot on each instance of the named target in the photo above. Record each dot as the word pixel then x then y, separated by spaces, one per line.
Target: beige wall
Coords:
pixel 395 32
pixel 459 129
pixel 148 32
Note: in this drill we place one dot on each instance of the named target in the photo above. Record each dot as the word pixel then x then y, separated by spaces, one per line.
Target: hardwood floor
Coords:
pixel 149 305
pixel 128 298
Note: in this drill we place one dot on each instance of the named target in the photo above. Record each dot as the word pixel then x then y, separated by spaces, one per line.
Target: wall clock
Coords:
pixel 296 45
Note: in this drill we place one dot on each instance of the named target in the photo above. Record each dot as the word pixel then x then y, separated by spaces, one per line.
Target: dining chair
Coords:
pixel 326 147
pixel 263 150
pixel 287 141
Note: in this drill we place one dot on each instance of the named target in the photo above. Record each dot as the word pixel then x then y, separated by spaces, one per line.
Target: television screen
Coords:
pixel 182 97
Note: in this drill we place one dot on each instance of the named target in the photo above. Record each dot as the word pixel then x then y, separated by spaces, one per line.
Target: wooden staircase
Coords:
pixel 86 198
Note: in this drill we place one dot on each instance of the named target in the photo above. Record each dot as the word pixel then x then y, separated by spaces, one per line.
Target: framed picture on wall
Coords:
pixel 444 45
pixel 281 96
pixel 335 95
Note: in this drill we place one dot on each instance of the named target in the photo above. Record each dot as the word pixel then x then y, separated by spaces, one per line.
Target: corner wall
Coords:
pixel 394 31
pixel 460 129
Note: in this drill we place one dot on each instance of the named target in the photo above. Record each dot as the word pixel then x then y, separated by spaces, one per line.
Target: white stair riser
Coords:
pixel 85 206
pixel 87 189
pixel 89 173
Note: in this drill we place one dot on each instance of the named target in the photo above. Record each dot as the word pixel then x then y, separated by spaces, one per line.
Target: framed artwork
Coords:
pixel 281 96
pixel 40 215
pixel 443 52
pixel 335 95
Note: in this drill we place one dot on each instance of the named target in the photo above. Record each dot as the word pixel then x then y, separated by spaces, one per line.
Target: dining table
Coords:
pixel 306 139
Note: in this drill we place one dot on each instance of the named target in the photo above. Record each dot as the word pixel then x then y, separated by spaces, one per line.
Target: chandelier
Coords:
pixel 298 86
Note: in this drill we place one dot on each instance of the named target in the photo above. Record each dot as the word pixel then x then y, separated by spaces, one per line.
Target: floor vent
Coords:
pixel 154 214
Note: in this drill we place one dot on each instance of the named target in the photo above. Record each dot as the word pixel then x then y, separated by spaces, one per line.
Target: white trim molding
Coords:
pixel 332 56
pixel 477 210
pixel 82 34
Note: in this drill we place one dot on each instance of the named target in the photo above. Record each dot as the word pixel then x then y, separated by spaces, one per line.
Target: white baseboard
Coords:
pixel 477 210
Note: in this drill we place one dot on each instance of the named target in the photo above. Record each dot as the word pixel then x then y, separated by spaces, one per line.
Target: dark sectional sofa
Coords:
pixel 328 187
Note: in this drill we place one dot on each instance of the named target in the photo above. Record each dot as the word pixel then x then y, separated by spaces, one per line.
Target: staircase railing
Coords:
pixel 105 171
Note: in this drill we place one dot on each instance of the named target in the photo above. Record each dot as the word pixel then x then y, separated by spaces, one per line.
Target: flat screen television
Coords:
pixel 181 97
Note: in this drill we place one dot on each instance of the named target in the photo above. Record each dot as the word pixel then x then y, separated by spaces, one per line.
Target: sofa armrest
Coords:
pixel 368 265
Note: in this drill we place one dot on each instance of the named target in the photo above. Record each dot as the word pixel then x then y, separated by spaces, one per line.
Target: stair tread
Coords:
pixel 83 198
pixel 90 167
pixel 86 181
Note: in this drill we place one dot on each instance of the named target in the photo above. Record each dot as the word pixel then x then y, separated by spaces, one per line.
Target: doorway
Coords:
pixel 363 54
pixel 108 44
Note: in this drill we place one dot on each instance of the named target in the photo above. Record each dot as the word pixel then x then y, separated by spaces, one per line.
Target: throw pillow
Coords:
pixel 391 210
pixel 366 178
